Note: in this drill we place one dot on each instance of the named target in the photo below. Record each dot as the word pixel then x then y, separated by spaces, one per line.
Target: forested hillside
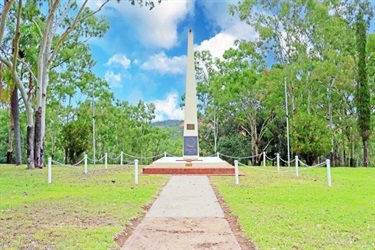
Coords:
pixel 174 125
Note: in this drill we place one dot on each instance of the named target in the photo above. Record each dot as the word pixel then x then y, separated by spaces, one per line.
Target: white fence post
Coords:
pixel 136 171
pixel 296 165
pixel 328 162
pixel 217 154
pixel 165 154
pixel 106 160
pixel 49 170
pixel 236 172
pixel 278 162
pixel 85 169
pixel 121 158
pixel 264 159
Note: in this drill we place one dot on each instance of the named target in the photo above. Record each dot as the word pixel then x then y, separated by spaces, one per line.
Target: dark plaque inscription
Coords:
pixel 190 126
pixel 190 145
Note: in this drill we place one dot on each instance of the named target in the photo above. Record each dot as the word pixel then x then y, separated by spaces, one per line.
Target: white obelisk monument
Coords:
pixel 191 143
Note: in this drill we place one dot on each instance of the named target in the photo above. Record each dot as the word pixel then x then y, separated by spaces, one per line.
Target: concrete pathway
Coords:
pixel 186 215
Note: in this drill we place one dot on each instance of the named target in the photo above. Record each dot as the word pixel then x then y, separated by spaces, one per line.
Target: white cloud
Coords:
pixel 218 44
pixel 119 60
pixel 136 61
pixel 156 28
pixel 165 65
pixel 232 28
pixel 113 79
pixel 168 108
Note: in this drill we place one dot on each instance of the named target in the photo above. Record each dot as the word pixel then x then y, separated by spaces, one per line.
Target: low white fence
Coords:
pixel 85 165
pixel 278 159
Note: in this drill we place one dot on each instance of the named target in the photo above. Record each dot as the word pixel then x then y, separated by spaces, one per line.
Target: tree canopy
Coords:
pixel 322 50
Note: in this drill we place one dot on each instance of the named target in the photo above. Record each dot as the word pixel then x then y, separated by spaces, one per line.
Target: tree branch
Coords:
pixel 93 13
pixel 265 123
pixel 77 19
pixel 64 14
pixel 4 15
pixel 16 38
pixel 39 30
pixel 18 82
pixel 268 143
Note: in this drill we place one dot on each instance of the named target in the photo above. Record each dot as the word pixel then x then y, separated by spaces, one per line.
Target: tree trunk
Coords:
pixel 10 141
pixel 309 160
pixel 44 61
pixel 365 153
pixel 255 149
pixel 30 147
pixel 9 157
pixel 38 150
pixel 15 112
pixel 352 157
pixel 344 160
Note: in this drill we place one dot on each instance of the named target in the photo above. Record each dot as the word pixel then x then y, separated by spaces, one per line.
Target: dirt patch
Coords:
pixel 235 226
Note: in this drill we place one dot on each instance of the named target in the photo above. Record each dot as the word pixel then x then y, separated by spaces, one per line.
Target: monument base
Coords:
pixel 180 166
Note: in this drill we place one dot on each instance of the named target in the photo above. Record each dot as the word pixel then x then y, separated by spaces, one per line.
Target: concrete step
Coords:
pixel 189 170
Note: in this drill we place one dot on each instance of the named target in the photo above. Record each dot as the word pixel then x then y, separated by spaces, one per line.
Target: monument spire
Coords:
pixel 191 143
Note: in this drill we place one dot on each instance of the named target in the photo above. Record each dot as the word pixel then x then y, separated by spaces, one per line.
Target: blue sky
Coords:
pixel 143 54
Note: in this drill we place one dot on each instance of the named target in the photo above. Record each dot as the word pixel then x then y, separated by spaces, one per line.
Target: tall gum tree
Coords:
pixel 240 95
pixel 62 18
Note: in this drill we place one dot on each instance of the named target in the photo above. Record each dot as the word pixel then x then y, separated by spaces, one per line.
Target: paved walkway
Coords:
pixel 186 215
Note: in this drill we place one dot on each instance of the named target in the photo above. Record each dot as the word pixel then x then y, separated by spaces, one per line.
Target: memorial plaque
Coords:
pixel 190 145
pixel 190 126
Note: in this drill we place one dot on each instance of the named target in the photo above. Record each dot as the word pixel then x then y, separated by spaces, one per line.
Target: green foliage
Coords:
pixel 118 127
pixel 363 95
pixel 310 136
pixel 147 3
pixel 75 138
pixel 4 134
pixel 313 46
pixel 235 144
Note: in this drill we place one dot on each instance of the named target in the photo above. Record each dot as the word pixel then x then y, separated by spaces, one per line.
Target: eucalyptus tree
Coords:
pixel 54 22
pixel 314 42
pixel 286 33
pixel 241 95
pixel 206 72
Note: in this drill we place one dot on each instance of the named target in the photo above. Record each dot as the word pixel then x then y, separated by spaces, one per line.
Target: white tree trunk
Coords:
pixel 42 84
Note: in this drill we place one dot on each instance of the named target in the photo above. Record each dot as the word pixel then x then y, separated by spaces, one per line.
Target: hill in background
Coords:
pixel 174 125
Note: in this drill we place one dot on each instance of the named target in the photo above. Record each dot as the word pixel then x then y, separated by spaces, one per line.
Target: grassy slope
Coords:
pixel 280 211
pixel 76 211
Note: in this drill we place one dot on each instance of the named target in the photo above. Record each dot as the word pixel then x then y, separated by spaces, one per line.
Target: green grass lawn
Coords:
pixel 281 211
pixel 276 210
pixel 76 211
